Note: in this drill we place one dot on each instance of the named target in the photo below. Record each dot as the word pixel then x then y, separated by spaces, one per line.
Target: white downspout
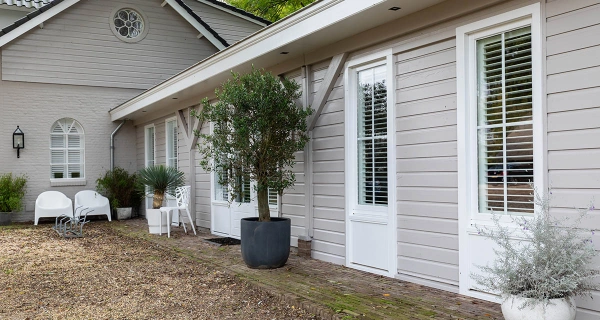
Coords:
pixel 112 145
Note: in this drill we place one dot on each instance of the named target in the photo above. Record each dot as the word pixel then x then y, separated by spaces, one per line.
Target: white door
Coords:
pixel 226 217
pixel 370 167
pixel 242 207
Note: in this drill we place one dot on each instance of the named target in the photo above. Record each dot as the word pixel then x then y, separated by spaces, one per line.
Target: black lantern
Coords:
pixel 18 140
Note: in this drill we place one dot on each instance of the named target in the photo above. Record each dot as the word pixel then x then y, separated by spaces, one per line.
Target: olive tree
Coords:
pixel 257 128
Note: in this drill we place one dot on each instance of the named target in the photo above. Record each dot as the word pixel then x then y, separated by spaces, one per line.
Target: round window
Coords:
pixel 128 24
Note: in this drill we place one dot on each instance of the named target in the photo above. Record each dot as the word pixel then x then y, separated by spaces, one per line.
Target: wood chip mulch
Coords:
pixel 108 276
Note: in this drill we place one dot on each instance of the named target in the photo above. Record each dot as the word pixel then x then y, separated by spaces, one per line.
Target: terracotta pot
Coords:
pixel 557 309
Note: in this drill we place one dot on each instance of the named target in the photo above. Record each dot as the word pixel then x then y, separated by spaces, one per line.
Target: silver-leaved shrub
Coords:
pixel 545 258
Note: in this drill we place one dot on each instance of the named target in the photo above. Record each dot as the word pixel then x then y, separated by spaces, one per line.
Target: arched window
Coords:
pixel 67 150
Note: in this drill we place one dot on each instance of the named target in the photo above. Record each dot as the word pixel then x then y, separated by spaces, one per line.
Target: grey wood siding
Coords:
pixel 329 220
pixel 228 26
pixel 427 183
pixel 203 189
pixel 294 200
pixel 573 110
pixel 78 47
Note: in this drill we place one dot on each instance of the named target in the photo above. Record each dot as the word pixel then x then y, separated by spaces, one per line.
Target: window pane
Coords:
pixel 149 146
pixel 272 198
pixel 57 141
pixel 221 191
pixel 171 129
pixel 372 137
pixel 505 126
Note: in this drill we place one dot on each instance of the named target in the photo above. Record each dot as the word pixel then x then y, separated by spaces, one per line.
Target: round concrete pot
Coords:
pixel 265 245
pixel 557 309
pixel 123 213
pixel 5 218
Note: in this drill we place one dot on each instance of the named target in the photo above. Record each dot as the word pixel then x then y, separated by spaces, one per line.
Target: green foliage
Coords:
pixel 257 130
pixel 158 180
pixel 120 188
pixel 545 258
pixel 271 10
pixel 12 192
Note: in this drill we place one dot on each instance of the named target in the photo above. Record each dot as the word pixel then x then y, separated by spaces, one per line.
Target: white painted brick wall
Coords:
pixel 35 107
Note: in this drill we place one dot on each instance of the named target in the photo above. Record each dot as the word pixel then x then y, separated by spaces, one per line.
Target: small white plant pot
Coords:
pixel 557 309
pixel 156 221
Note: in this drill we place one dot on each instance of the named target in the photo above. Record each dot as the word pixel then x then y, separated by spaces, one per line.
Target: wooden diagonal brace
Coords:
pixel 335 67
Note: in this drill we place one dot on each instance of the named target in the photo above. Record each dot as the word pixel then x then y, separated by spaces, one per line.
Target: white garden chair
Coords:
pixel 52 204
pixel 97 203
pixel 182 194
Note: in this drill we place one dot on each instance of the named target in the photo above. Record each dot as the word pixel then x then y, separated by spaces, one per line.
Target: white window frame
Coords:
pixel 146 145
pixel 384 214
pixel 466 37
pixel 169 144
pixel 352 69
pixel 66 181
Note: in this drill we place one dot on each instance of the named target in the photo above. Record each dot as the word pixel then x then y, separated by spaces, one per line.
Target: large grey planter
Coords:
pixel 265 245
pixel 5 218
pixel 123 213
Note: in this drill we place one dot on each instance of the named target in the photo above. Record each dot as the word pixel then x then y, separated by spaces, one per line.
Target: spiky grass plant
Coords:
pixel 158 180
pixel 544 258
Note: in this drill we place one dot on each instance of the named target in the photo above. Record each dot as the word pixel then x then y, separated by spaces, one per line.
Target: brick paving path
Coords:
pixel 327 290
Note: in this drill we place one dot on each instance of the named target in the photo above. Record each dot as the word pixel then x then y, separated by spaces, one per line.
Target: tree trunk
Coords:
pixel 264 213
pixel 157 200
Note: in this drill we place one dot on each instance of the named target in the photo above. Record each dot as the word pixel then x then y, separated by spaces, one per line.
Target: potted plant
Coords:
pixel 120 187
pixel 257 130
pixel 540 266
pixel 157 180
pixel 12 192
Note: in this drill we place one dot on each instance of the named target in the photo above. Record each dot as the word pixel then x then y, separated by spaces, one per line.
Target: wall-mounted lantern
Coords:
pixel 18 140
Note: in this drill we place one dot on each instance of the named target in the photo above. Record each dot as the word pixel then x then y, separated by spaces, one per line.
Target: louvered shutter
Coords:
pixel 272 198
pixel 372 137
pixel 149 146
pixel 505 122
pixel 171 129
pixel 66 149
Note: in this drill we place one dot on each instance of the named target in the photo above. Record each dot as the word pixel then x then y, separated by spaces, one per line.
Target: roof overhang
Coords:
pixel 322 23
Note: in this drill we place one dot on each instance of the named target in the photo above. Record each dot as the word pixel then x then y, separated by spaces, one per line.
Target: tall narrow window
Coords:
pixel 372 137
pixel 149 149
pixel 171 138
pixel 505 122
pixel 244 183
pixel 67 152
pixel 221 191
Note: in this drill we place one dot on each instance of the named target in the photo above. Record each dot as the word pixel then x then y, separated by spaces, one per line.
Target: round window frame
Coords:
pixel 111 22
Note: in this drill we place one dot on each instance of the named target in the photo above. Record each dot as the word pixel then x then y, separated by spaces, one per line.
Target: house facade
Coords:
pixel 429 116
pixel 68 62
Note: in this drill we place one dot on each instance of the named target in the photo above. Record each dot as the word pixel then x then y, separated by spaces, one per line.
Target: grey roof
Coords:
pixel 26 3
pixel 44 5
pixel 42 8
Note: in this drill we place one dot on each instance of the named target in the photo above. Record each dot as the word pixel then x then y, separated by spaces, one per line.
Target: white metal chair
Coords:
pixel 183 200
pixel 95 202
pixel 51 204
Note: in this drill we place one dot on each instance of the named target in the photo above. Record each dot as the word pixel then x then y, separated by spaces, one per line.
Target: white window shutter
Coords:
pixel 67 149
pixel 372 137
pixel 505 123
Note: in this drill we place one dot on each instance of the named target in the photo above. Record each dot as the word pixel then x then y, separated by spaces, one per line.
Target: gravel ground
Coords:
pixel 107 276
